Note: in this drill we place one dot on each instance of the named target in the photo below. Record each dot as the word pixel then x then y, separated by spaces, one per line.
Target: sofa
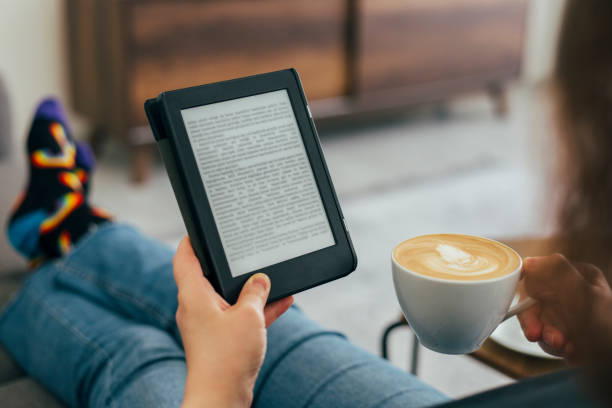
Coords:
pixel 16 388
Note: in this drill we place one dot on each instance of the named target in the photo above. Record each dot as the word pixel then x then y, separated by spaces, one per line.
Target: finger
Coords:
pixel 188 274
pixel 545 274
pixel 255 292
pixel 531 323
pixel 550 350
pixel 553 338
pixel 185 264
pixel 275 309
pixel 589 272
pixel 569 351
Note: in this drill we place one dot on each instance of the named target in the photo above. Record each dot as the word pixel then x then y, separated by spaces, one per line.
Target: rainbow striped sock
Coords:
pixel 53 212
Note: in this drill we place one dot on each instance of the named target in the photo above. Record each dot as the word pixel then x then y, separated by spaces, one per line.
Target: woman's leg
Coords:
pixel 308 366
pixel 72 311
pixel 131 274
pixel 87 355
pixel 125 272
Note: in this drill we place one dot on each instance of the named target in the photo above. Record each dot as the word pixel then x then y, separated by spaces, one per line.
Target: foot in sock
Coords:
pixel 53 212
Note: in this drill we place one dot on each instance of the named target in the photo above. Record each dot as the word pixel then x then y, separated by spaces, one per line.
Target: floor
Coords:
pixel 464 171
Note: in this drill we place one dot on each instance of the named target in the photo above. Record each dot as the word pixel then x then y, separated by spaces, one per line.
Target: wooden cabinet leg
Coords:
pixel 442 111
pixel 98 138
pixel 499 98
pixel 142 163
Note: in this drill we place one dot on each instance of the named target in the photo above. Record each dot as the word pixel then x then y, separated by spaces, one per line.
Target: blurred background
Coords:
pixel 433 117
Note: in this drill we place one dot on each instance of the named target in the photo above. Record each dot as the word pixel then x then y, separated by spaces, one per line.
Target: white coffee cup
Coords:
pixel 455 316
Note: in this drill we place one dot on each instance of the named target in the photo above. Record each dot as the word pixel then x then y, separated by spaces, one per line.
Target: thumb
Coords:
pixel 255 292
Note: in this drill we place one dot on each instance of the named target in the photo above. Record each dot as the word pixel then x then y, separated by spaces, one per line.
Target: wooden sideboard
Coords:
pixel 353 56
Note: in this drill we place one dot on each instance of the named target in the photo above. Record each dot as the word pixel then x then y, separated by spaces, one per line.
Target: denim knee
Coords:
pixel 309 366
pixel 136 354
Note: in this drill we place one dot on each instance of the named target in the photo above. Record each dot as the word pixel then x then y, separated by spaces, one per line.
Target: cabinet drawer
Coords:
pixel 174 44
pixel 412 42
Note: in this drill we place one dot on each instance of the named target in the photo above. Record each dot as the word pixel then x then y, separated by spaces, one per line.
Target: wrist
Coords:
pixel 200 393
pixel 209 399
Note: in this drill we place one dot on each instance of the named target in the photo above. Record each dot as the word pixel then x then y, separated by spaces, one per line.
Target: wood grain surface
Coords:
pixel 413 42
pixel 186 43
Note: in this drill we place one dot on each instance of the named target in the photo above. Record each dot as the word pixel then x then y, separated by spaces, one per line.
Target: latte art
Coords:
pixel 456 257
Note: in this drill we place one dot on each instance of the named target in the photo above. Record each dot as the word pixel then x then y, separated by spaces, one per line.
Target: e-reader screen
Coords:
pixel 258 179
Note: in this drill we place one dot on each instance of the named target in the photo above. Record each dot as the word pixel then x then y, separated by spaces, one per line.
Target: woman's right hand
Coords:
pixel 573 316
pixel 224 344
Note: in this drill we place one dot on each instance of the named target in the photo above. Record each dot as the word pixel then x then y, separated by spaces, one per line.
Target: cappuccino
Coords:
pixel 456 257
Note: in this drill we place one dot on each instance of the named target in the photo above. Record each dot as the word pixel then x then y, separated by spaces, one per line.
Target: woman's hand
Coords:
pixel 224 345
pixel 573 316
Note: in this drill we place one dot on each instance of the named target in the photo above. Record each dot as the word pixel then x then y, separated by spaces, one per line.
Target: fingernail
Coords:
pixel 260 279
pixel 529 262
pixel 549 339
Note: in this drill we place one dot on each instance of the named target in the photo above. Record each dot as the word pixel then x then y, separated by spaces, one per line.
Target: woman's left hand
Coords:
pixel 573 316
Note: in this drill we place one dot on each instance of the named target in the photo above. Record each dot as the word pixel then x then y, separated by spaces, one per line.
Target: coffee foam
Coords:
pixel 456 257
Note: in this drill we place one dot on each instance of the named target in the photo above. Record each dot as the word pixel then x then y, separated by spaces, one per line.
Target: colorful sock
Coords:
pixel 53 213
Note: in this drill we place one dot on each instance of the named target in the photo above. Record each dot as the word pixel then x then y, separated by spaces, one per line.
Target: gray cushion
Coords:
pixel 9 369
pixel 6 133
pixel 12 181
pixel 9 284
pixel 12 178
pixel 26 392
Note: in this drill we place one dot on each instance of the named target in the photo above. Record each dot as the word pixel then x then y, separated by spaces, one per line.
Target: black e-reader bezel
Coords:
pixel 290 276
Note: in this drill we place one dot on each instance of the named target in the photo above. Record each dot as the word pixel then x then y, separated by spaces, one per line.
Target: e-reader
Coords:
pixel 248 172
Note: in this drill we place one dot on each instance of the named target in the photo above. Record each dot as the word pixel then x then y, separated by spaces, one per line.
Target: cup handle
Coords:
pixel 519 307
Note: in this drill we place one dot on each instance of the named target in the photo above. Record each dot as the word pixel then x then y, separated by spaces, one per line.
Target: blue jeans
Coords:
pixel 97 328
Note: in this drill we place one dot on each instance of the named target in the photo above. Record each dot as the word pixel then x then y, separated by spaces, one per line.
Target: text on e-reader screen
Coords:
pixel 258 180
